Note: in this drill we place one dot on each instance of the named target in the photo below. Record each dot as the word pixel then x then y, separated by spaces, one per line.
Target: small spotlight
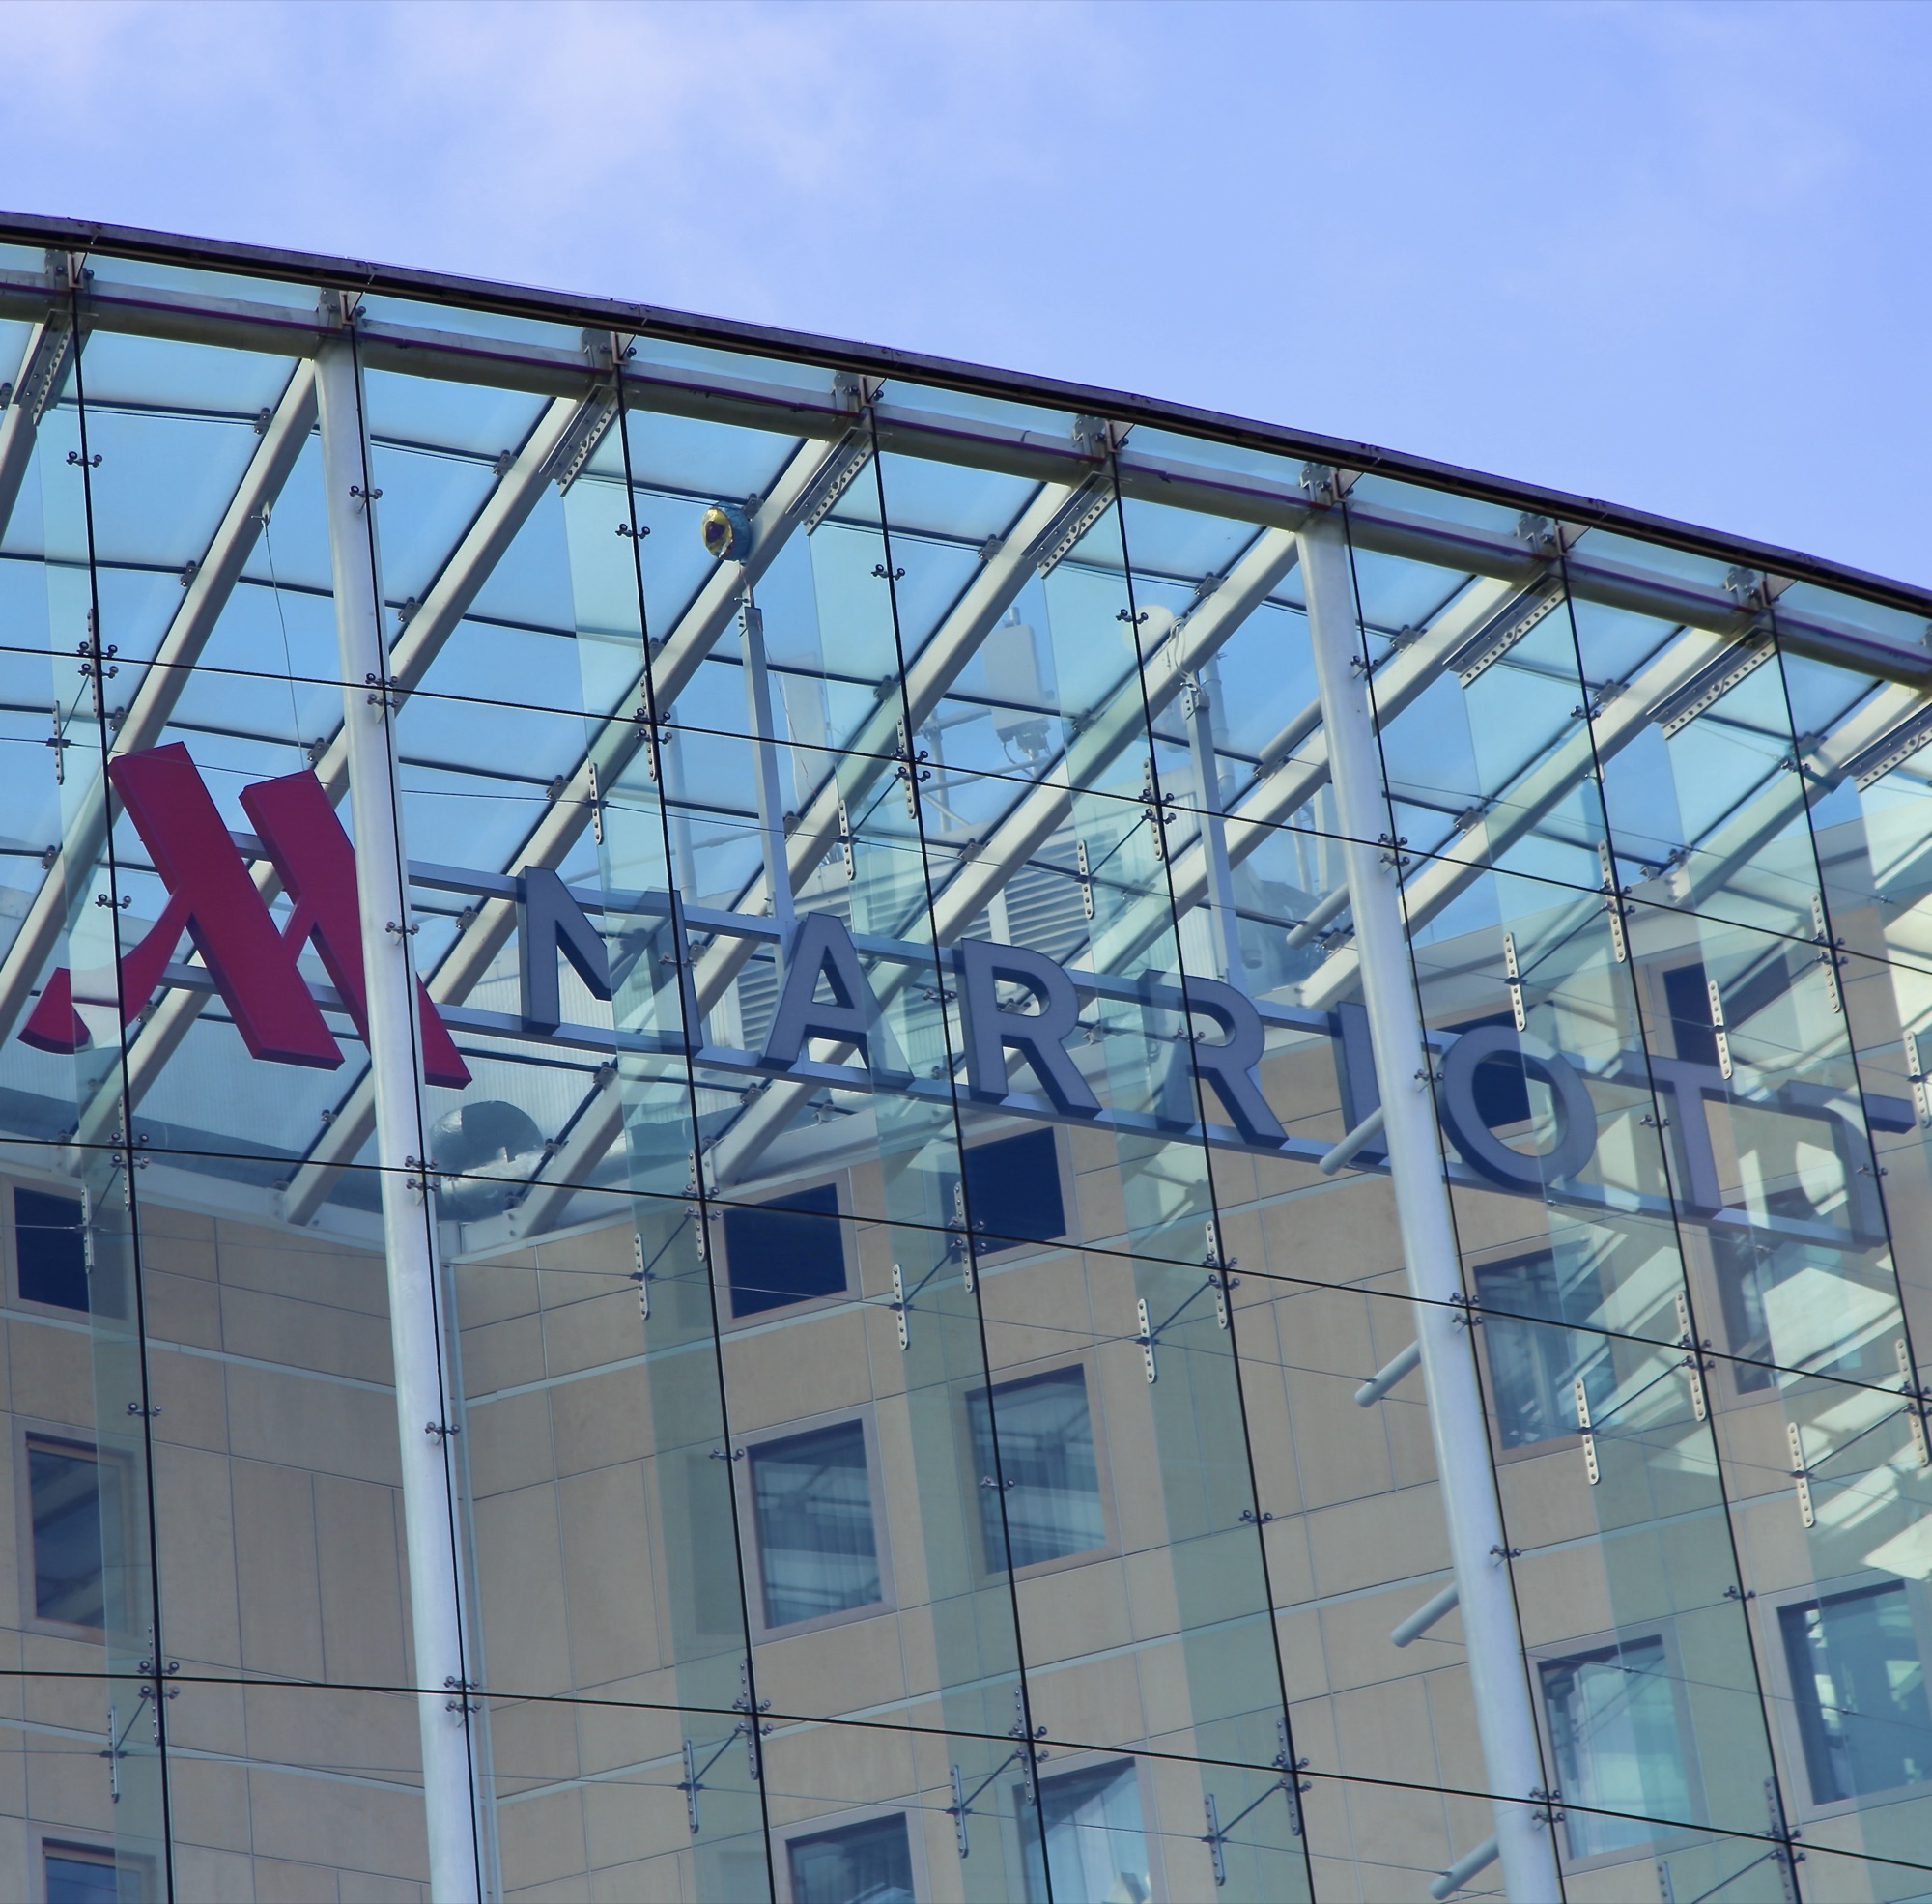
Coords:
pixel 727 532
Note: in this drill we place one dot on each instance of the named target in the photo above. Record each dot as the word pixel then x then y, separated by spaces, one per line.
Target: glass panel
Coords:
pixel 1092 1848
pixel 1614 1727
pixel 1859 1687
pixel 812 1497
pixel 1045 1463
pixel 869 1863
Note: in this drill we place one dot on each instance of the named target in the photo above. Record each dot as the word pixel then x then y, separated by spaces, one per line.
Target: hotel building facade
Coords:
pixel 784 1122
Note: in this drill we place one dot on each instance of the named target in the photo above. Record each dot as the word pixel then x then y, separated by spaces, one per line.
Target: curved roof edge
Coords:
pixel 883 360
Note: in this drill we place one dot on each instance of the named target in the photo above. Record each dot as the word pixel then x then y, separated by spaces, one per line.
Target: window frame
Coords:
pixel 65 1440
pixel 746 1446
pixel 1782 1695
pixel 718 1250
pixel 828 1824
pixel 1086 1361
pixel 1666 1837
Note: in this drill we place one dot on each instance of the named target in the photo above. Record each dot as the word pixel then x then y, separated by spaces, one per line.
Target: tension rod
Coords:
pixel 962 1801
pixel 1150 1333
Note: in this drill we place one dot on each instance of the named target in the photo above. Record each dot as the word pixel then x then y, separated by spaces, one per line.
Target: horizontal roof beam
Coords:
pixel 552 370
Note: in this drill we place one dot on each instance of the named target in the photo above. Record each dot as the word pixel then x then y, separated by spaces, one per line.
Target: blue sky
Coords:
pixel 1675 256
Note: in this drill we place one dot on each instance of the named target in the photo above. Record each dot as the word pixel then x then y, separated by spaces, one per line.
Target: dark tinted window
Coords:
pixel 1502 1091
pixel 784 1251
pixel 869 1863
pixel 1013 1189
pixel 51 1249
pixel 66 1488
pixel 1687 991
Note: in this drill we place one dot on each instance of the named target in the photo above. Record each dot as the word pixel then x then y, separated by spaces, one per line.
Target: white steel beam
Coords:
pixel 1530 800
pixel 1498 1675
pixel 1294 767
pixel 806 479
pixel 993 589
pixel 425 1409
pixel 866 754
pixel 37 386
pixel 519 363
pixel 163 680
pixel 1179 653
pixel 1729 848
pixel 559 432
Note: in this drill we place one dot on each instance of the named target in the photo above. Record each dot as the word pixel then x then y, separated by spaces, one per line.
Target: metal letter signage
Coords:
pixel 254 965
pixel 822 948
pixel 549 922
pixel 210 895
pixel 1038 1037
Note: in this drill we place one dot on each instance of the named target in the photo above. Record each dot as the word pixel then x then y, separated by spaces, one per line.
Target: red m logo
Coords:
pixel 212 896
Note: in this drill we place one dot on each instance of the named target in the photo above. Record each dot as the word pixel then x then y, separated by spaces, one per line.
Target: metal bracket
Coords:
pixel 1717 1029
pixel 1915 1071
pixel 1029 1754
pixel 1801 1475
pixel 1590 1465
pixel 1827 955
pixel 1915 1403
pixel 1613 902
pixel 1148 1335
pixel 1694 1362
pixel 1513 973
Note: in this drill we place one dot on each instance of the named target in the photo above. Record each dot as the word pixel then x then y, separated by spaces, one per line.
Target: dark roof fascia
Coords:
pixel 81 235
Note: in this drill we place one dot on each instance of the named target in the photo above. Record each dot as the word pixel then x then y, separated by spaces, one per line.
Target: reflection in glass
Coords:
pixel 812 1499
pixel 1045 1457
pixel 1859 1687
pixel 78 1874
pixel 1533 1367
pixel 869 1863
pixel 1613 1724
pixel 1095 1851
pixel 69 1490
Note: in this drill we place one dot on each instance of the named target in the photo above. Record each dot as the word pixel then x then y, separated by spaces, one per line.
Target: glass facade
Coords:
pixel 789 1126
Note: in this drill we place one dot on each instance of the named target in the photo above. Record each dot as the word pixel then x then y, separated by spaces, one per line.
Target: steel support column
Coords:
pixel 424 1406
pixel 1499 1683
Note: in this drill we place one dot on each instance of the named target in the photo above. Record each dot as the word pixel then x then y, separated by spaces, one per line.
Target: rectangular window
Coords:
pixel 1096 1850
pixel 788 1250
pixel 51 1249
pixel 82 1874
pixel 72 1494
pixel 869 1863
pixel 1534 1359
pixel 1859 1690
pixel 1614 1732
pixel 812 1497
pixel 1013 1189
pixel 1046 1459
